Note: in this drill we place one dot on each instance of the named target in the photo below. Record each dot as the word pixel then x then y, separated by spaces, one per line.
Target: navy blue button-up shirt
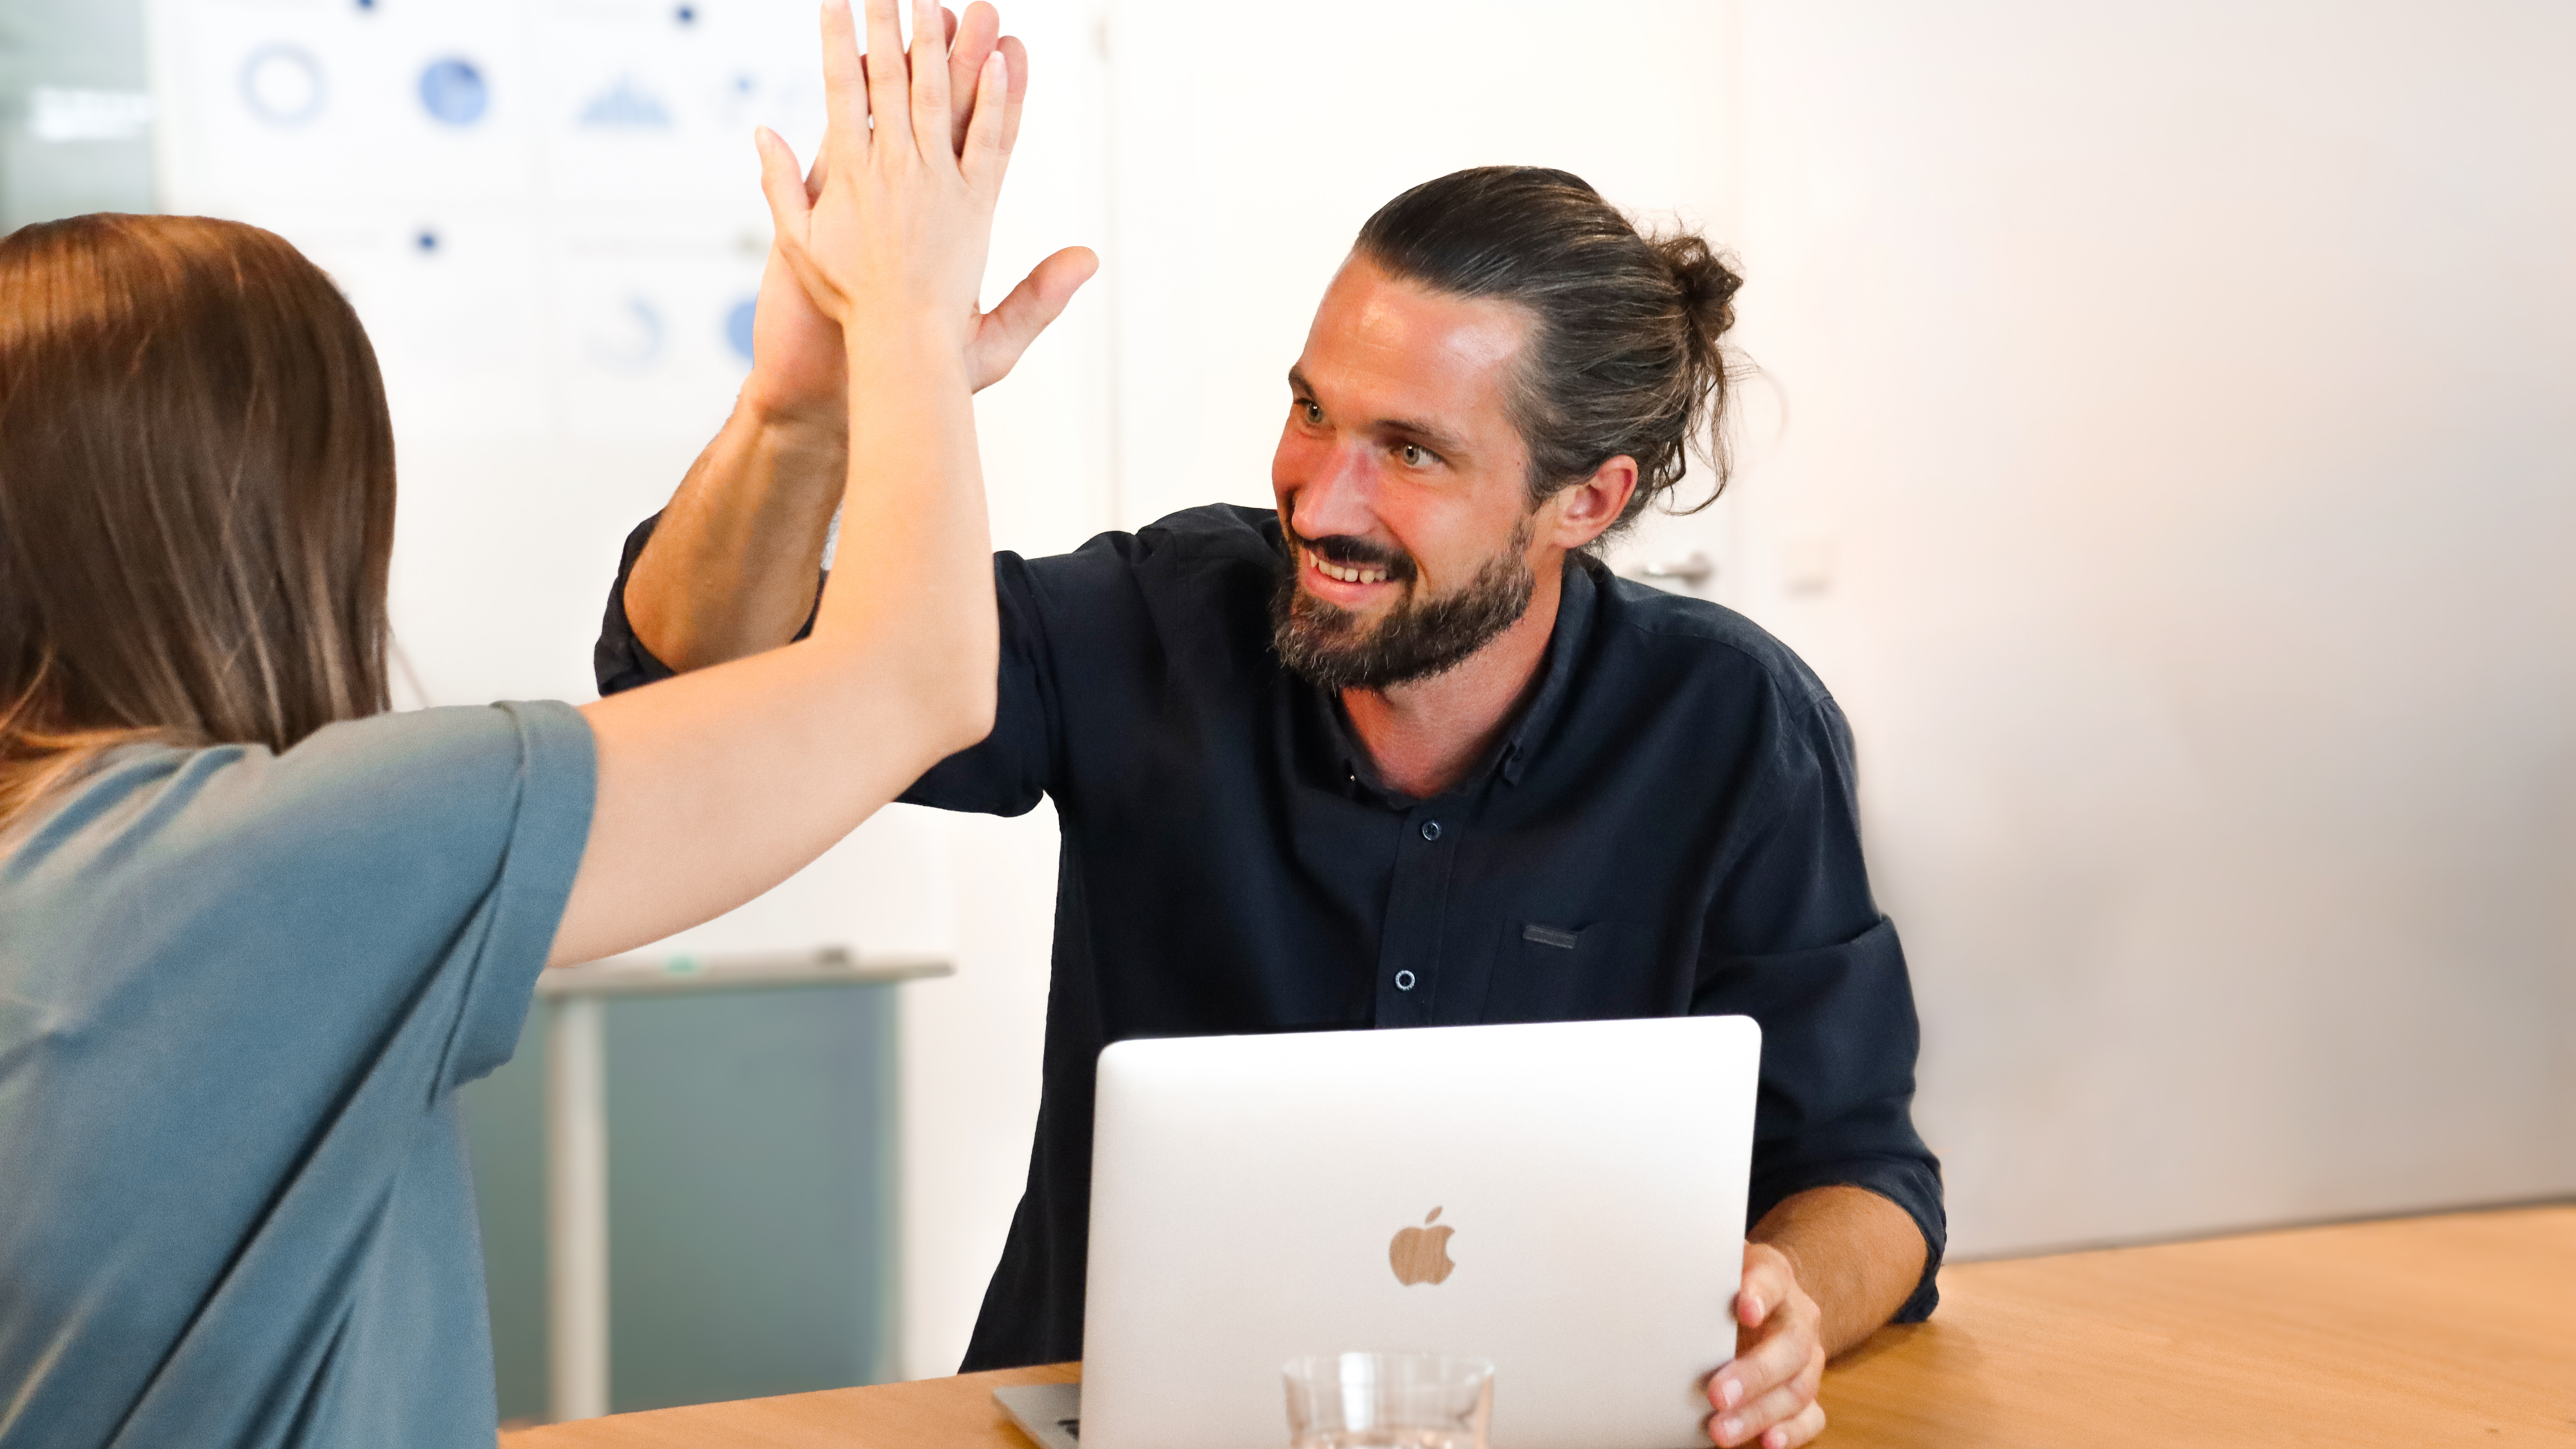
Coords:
pixel 1668 827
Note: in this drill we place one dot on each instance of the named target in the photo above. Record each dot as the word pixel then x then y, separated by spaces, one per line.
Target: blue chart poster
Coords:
pixel 547 211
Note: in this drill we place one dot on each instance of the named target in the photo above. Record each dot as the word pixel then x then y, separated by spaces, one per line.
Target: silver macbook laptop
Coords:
pixel 1566 1200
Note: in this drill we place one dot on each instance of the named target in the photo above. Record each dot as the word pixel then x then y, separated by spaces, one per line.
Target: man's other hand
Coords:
pixel 798 363
pixel 1768 1394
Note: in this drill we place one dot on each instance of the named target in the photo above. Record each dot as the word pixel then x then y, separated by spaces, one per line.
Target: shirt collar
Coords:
pixel 1510 756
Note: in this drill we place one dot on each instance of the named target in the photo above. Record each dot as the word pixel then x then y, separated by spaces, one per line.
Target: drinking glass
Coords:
pixel 1389 1401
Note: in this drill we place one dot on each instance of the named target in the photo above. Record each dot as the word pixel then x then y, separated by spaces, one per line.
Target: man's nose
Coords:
pixel 1340 497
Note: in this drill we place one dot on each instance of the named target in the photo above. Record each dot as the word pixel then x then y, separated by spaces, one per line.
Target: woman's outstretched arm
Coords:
pixel 719 784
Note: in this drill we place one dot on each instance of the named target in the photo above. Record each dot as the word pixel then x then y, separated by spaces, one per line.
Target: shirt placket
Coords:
pixel 1408 965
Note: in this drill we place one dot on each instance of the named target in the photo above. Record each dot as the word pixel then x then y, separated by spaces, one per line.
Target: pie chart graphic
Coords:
pixel 282 85
pixel 738 325
pixel 453 92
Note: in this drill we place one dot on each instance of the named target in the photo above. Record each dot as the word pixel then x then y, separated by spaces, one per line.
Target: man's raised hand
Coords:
pixel 798 348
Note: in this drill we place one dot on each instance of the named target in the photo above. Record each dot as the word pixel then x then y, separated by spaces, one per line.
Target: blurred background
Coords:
pixel 2163 442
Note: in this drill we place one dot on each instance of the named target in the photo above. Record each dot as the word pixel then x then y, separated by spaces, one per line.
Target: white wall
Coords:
pixel 2175 488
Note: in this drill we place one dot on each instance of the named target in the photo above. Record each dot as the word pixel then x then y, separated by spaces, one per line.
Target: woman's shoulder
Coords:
pixel 348 791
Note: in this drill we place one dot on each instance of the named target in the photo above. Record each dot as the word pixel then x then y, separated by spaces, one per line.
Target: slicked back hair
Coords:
pixel 1623 354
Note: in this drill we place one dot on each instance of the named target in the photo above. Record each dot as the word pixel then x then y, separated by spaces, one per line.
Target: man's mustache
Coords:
pixel 1351 551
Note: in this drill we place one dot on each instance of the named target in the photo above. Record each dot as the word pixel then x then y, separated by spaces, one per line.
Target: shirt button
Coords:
pixel 1431 830
pixel 1404 981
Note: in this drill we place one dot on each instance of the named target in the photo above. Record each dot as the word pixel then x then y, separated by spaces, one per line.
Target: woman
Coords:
pixel 255 932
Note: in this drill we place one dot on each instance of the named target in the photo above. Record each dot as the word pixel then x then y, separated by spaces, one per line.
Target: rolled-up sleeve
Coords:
pixel 1836 1104
pixel 1005 775
pixel 1795 941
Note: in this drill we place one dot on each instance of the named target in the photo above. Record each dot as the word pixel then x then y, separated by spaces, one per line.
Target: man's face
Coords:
pixel 1402 484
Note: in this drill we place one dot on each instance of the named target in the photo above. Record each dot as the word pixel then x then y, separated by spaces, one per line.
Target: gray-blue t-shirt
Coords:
pixel 238 993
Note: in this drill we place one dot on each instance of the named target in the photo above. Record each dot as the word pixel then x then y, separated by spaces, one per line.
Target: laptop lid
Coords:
pixel 1566 1200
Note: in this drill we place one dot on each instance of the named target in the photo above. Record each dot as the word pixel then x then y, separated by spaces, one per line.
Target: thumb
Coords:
pixel 1763 1288
pixel 791 213
pixel 1038 300
pixel 783 185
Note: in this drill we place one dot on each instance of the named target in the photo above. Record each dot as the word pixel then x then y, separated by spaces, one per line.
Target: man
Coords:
pixel 1403 753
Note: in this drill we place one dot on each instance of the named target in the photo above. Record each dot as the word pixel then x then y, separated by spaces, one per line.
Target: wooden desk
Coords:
pixel 2449 1330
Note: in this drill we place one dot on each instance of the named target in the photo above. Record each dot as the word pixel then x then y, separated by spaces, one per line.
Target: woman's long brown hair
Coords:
pixel 196 495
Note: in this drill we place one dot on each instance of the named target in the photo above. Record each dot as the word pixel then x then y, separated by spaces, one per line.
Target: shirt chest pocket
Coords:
pixel 1545 972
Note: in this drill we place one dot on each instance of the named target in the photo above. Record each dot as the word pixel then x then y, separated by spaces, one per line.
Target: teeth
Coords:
pixel 1346 575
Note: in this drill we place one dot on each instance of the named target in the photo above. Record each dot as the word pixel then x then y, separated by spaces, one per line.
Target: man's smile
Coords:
pixel 1349 585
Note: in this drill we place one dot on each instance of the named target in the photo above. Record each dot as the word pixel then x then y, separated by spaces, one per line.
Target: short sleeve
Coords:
pixel 557 791
pixel 473 818
pixel 237 992
pixel 408 869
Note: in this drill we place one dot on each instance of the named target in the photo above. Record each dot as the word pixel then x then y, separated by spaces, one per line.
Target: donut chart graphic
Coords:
pixel 625 338
pixel 283 85
pixel 453 92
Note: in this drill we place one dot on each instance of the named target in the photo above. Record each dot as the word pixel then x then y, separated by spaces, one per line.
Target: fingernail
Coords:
pixel 1728 1428
pixel 1729 1394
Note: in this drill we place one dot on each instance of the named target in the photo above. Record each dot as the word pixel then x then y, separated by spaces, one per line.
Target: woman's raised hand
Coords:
pixel 893 246
pixel 720 783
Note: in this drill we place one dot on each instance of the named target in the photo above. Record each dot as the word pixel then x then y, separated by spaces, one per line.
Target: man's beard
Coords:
pixel 1334 648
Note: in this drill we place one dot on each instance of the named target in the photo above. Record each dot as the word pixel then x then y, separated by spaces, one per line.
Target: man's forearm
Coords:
pixel 1857 1254
pixel 730 569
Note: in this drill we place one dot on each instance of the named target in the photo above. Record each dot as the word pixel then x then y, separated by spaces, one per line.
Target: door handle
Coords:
pixel 1690 572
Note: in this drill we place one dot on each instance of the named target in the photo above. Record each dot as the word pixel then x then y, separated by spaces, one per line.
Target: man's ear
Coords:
pixel 1578 512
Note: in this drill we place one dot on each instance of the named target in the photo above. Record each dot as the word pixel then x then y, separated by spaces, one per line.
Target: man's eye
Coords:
pixel 1312 412
pixel 1415 455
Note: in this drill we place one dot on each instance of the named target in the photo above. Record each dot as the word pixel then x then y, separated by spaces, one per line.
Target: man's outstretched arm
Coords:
pixel 730 570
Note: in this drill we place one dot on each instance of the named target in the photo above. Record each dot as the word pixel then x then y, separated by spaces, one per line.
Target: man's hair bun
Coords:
pixel 1708 285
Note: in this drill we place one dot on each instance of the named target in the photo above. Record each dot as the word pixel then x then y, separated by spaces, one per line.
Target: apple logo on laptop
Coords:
pixel 1421 1255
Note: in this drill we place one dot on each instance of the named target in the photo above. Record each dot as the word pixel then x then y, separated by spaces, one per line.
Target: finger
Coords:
pixel 889 89
pixel 845 89
pixel 947 27
pixel 1774 1356
pixel 1041 296
pixel 822 171
pixel 983 160
pixel 1779 1406
pixel 929 78
pixel 789 208
pixel 1016 56
pixel 1804 1428
pixel 789 201
pixel 974 41
pixel 1764 1287
pixel 1006 331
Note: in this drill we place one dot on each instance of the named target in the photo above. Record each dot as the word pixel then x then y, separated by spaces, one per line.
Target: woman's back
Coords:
pixel 235 1002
